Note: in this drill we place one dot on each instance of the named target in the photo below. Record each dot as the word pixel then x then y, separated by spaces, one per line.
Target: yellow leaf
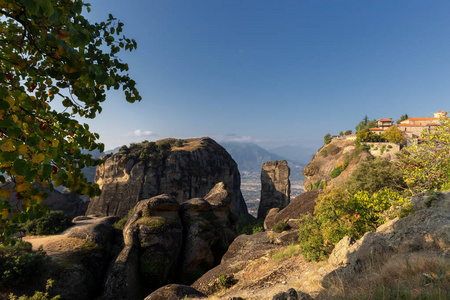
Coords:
pixel 23 187
pixel 38 158
pixel 55 143
pixel 58 182
pixel 4 194
pixel 42 145
pixel 22 149
pixel 10 100
pixel 8 147
pixel 44 184
pixel 5 213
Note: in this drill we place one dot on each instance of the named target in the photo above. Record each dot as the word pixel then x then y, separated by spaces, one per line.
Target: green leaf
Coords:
pixel 4 105
pixel 46 170
pixel 21 167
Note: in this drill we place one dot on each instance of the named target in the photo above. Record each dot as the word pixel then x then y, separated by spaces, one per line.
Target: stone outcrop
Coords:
pixel 175 292
pixel 184 170
pixel 338 153
pixel 275 187
pixel 302 204
pixel 166 241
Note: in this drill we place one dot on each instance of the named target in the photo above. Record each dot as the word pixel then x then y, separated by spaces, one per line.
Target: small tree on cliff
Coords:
pixel 327 138
pixel 50 53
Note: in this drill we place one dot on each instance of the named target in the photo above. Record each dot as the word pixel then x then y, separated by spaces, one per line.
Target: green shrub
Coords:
pixel 38 295
pixel 51 223
pixel 336 172
pixel 375 175
pixel 249 227
pixel 280 227
pixel 339 213
pixel 120 225
pixel 179 143
pixel 18 264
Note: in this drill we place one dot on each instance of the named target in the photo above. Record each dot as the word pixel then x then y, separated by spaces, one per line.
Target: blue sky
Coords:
pixel 275 72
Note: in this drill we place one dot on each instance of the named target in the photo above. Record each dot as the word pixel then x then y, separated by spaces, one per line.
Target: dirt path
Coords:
pixel 58 244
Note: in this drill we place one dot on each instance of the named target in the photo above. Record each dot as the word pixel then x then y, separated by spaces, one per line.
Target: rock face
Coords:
pixel 170 242
pixel 302 204
pixel 337 153
pixel 175 292
pixel 275 187
pixel 182 169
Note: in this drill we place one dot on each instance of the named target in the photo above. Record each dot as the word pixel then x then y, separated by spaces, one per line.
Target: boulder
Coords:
pixel 301 205
pixel 275 187
pixel 243 250
pixel 175 292
pixel 425 230
pixel 153 238
pixel 147 169
pixel 206 238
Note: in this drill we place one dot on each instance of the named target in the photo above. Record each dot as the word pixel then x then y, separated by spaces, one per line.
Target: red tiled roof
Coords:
pixel 440 112
pixel 385 120
pixel 423 119
pixel 412 125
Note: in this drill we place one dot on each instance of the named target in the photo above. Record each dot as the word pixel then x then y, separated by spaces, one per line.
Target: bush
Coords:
pixel 51 223
pixel 280 227
pixel 336 172
pixel 38 295
pixel 248 227
pixel 18 264
pixel 179 143
pixel 339 213
pixel 375 175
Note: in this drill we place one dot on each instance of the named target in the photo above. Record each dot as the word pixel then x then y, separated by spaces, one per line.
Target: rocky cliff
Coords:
pixel 338 154
pixel 184 169
pixel 275 187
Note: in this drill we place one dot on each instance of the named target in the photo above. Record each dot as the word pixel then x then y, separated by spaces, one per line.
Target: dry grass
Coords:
pixel 413 276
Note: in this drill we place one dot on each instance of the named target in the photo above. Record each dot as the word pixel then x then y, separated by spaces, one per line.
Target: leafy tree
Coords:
pixel 361 125
pixel 394 135
pixel 347 132
pixel 365 135
pixel 49 54
pixel 375 175
pixel 341 133
pixel 402 118
pixel 327 138
pixel 426 165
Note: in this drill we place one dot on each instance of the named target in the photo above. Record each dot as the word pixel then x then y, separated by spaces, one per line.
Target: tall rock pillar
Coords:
pixel 275 187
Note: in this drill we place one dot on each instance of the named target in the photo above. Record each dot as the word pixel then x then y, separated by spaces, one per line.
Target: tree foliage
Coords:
pixel 426 165
pixel 327 138
pixel 50 53
pixel 402 118
pixel 375 175
pixel 366 124
pixel 394 135
pixel 365 135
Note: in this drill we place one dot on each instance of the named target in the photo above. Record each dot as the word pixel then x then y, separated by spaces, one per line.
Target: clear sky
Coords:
pixel 275 72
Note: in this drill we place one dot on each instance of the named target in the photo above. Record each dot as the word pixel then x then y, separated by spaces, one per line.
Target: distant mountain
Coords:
pixel 249 157
pixel 299 154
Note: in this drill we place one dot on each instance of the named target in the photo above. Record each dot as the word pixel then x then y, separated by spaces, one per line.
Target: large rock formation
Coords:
pixel 169 242
pixel 182 169
pixel 275 187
